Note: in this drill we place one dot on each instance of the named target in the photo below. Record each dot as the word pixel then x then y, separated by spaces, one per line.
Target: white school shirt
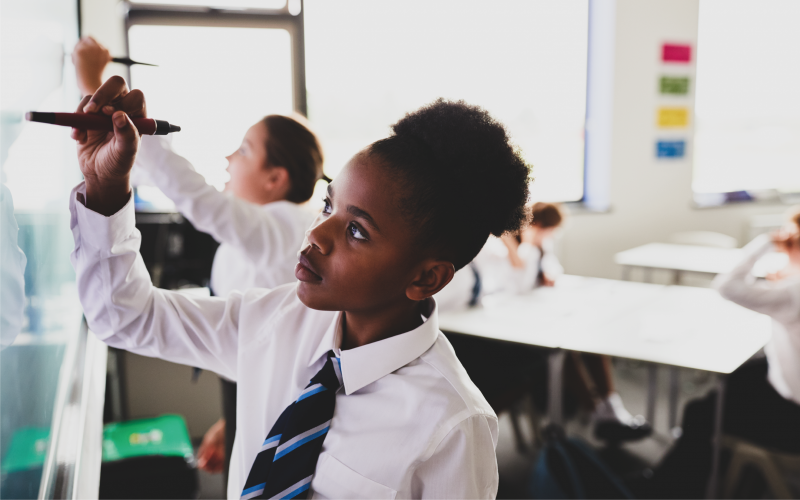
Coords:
pixel 258 244
pixel 781 301
pixel 409 423
pixel 498 275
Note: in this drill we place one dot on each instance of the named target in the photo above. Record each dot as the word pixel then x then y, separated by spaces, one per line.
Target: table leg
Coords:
pixel 713 480
pixel 674 391
pixel 555 369
pixel 626 273
pixel 652 392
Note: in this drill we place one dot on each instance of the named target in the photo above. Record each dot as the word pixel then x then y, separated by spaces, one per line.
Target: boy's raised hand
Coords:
pixel 106 158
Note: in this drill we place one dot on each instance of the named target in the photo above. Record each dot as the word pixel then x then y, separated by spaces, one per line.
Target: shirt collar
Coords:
pixel 366 364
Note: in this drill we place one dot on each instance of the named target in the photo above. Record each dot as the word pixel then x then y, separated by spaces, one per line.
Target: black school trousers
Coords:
pixel 753 411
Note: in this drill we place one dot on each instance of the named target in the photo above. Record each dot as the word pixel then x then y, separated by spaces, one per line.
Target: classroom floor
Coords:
pixel 211 486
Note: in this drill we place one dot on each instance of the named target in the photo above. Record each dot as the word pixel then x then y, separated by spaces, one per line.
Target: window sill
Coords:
pixel 583 208
pixel 747 198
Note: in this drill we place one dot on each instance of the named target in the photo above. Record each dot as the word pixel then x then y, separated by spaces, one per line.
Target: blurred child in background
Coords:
pixel 518 263
pixel 762 397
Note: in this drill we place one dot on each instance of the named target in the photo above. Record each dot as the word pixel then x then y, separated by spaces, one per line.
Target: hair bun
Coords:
pixel 462 177
pixel 474 151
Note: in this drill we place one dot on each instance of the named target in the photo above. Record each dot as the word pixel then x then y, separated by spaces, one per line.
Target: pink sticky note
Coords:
pixel 674 52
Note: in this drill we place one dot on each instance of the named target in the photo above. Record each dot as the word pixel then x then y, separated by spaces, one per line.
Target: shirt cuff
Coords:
pixel 97 230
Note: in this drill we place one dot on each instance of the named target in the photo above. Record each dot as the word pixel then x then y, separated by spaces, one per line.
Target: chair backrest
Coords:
pixel 704 238
pixel 777 468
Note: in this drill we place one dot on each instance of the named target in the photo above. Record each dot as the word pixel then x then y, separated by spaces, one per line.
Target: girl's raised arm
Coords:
pixel 263 235
pixel 126 311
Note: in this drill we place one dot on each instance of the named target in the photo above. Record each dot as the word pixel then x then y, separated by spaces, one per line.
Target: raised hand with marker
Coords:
pixel 90 59
pixel 106 157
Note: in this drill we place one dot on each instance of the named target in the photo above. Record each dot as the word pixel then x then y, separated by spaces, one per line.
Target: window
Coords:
pixel 368 63
pixel 230 79
pixel 215 77
pixel 747 104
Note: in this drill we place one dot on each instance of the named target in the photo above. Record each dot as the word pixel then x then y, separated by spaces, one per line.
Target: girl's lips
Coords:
pixel 304 273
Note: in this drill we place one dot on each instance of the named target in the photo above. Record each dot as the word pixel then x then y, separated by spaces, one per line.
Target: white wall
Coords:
pixel 650 199
pixel 155 387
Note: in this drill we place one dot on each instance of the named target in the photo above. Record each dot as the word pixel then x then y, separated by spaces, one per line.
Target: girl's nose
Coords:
pixel 320 235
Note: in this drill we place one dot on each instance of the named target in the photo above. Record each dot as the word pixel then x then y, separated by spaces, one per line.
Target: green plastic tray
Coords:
pixel 166 435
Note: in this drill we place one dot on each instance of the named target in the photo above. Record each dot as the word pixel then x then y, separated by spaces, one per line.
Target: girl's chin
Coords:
pixel 311 297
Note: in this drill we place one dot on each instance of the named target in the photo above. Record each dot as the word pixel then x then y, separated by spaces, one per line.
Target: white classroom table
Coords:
pixel 671 325
pixel 691 258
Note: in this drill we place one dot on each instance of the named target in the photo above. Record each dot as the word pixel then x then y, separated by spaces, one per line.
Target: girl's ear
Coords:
pixel 435 276
pixel 276 179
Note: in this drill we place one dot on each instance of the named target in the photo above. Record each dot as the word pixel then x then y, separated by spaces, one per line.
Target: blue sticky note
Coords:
pixel 671 149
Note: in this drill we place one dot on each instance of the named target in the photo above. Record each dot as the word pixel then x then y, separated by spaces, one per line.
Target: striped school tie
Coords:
pixel 288 457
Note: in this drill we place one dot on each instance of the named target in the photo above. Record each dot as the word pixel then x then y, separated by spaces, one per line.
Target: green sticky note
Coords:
pixel 675 85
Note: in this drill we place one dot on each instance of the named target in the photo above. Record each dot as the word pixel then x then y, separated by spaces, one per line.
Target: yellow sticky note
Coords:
pixel 673 117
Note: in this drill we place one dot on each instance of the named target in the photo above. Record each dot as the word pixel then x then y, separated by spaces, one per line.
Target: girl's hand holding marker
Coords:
pixel 105 157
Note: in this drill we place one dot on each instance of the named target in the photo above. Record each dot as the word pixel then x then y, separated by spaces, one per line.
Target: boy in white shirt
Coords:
pixel 403 215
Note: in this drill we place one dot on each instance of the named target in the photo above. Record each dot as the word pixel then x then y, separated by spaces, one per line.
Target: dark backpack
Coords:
pixel 570 468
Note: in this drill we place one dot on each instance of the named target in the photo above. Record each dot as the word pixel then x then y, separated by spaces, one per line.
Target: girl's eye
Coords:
pixel 327 209
pixel 355 232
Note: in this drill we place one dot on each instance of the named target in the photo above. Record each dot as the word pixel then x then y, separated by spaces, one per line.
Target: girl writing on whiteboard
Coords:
pixel 259 219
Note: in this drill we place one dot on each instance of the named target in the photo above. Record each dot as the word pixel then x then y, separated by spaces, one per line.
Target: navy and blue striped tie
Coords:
pixel 288 457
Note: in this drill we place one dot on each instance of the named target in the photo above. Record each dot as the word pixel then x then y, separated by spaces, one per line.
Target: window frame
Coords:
pixel 180 15
pixel 599 118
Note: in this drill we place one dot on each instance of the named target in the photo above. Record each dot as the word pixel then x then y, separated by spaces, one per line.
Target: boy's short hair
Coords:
pixel 546 215
pixel 459 177
pixel 293 146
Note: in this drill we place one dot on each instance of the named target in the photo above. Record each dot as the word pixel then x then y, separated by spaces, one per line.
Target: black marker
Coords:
pixel 87 121
pixel 127 61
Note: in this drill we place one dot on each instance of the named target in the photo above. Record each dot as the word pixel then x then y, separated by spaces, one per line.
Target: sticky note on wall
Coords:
pixel 671 149
pixel 673 117
pixel 674 85
pixel 676 53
